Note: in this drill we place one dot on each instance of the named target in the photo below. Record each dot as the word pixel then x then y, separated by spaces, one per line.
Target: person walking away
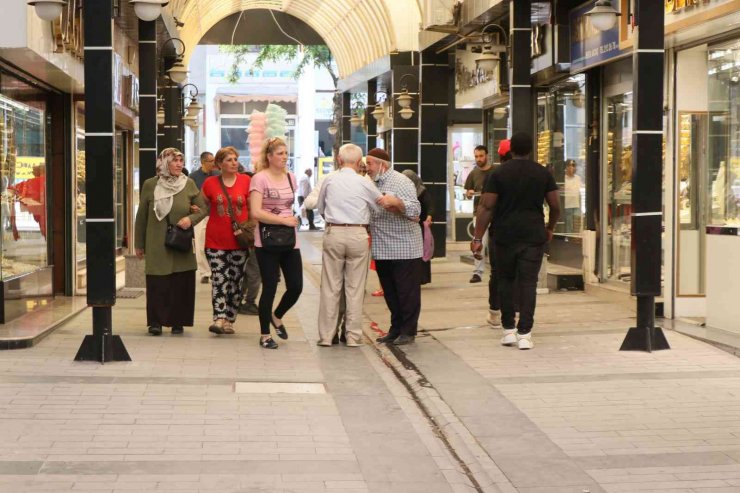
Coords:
pixel 425 218
pixel 207 169
pixel 345 201
pixel 473 187
pixel 513 200
pixel 304 189
pixel 397 247
pixel 166 199
pixel 271 197
pixel 227 196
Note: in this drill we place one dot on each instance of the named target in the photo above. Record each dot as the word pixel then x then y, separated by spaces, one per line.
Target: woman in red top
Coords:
pixel 224 254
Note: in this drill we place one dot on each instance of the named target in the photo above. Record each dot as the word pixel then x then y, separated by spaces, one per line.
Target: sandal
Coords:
pixel 268 343
pixel 217 327
pixel 228 327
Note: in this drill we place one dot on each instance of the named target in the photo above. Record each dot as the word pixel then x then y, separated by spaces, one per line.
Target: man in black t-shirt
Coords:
pixel 512 203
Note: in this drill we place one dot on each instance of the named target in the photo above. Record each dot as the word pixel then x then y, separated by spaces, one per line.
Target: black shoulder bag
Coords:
pixel 177 238
pixel 276 237
pixel 244 231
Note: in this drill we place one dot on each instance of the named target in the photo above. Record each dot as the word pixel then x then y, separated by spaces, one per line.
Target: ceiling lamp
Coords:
pixel 148 10
pixel 603 16
pixel 48 10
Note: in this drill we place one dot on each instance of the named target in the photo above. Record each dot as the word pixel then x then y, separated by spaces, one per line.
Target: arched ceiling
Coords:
pixel 356 31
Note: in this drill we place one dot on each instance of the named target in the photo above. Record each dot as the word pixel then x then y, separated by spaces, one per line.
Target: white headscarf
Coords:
pixel 167 185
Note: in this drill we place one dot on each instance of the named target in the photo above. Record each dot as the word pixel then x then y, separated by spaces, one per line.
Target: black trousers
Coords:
pixel 401 283
pixel 520 262
pixel 271 263
pixel 309 212
pixel 494 299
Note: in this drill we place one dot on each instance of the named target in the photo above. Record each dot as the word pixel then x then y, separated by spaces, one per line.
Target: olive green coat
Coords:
pixel 150 233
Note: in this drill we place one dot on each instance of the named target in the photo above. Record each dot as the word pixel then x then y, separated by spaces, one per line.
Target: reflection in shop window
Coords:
pixel 22 178
pixel 724 135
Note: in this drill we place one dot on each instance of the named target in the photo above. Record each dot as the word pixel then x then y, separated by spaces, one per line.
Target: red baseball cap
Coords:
pixel 504 147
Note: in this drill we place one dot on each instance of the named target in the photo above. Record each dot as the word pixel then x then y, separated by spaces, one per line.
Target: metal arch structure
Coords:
pixel 357 32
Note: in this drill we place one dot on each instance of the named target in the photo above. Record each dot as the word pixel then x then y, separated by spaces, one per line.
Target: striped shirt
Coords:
pixel 397 237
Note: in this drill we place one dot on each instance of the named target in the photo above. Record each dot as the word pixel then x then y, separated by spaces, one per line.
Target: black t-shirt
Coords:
pixel 521 186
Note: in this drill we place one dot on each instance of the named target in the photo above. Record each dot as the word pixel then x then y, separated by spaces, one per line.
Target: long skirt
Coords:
pixel 170 299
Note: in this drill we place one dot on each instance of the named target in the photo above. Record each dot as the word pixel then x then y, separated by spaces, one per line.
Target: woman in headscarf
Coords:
pixel 427 209
pixel 170 274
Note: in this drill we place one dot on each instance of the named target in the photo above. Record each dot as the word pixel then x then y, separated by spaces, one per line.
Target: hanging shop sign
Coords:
pixel 674 6
pixel 472 83
pixel 589 46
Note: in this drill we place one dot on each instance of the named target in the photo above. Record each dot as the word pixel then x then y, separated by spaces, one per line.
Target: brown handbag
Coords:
pixel 243 231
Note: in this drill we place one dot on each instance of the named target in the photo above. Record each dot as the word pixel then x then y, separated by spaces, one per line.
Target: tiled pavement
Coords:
pixel 572 415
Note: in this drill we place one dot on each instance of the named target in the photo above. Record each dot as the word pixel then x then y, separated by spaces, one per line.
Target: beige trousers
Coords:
pixel 204 269
pixel 344 266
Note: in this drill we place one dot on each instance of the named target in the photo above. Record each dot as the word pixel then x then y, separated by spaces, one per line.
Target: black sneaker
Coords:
pixel 280 330
pixel 475 278
pixel 269 343
pixel 155 330
pixel 177 329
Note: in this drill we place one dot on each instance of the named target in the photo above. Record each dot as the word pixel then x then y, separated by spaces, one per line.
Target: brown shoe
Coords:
pixel 217 327
pixel 228 327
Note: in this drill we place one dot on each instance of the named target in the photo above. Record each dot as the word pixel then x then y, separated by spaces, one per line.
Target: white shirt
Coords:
pixel 572 193
pixel 304 186
pixel 347 198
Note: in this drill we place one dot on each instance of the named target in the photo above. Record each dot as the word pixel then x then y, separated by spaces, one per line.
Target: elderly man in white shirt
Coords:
pixel 346 200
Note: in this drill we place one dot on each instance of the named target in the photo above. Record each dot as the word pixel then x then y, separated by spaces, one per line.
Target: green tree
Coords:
pixel 317 55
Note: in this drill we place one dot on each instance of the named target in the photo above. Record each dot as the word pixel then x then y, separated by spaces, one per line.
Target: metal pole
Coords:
pixel 102 345
pixel 148 101
pixel 647 176
pixel 520 89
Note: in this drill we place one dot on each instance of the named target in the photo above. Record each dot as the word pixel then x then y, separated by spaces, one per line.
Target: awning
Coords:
pixel 250 98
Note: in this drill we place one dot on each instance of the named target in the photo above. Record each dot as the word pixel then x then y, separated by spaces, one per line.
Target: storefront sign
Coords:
pixel 68 30
pixel 589 46
pixel 673 6
pixel 473 84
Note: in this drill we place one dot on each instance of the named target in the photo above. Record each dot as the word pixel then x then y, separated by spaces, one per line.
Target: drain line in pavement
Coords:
pixel 423 382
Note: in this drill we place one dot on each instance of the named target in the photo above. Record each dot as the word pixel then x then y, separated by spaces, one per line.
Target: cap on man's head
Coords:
pixel 379 154
pixel 504 147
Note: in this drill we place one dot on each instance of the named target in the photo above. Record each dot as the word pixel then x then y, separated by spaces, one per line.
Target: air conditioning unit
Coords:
pixel 441 14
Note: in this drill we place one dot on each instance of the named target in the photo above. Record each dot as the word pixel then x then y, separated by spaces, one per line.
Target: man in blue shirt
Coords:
pixel 207 169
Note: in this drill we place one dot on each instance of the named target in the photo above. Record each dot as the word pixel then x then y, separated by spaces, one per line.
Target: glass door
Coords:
pixel 619 188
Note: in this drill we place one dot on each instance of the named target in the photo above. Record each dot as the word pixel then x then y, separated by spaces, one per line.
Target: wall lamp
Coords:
pixel 161 116
pixel 379 112
pixel 358 115
pixel 404 99
pixel 490 57
pixel 148 10
pixel 603 16
pixel 48 10
pixel 193 108
pixel 177 73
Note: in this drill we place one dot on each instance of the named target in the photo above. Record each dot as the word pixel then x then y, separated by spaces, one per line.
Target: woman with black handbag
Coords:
pixel 271 198
pixel 164 238
pixel 228 238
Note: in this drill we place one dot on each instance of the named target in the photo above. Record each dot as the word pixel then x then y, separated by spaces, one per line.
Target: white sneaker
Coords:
pixel 524 341
pixel 494 318
pixel 509 338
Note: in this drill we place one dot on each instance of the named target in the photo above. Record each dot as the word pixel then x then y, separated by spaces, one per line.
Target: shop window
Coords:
pixel 723 183
pixel 561 146
pixel 619 186
pixel 23 177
